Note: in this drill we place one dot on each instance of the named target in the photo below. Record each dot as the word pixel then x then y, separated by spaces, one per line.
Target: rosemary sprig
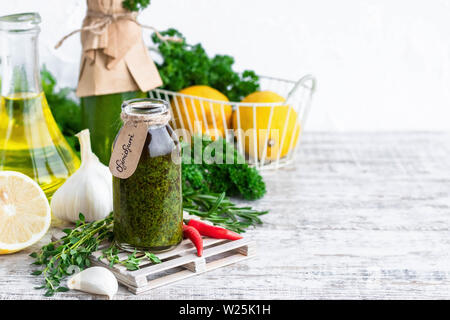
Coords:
pixel 219 210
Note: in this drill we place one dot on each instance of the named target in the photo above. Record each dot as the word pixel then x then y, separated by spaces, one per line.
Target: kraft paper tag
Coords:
pixel 127 149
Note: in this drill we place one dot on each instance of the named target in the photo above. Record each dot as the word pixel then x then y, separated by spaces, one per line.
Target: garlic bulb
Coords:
pixel 87 191
pixel 96 280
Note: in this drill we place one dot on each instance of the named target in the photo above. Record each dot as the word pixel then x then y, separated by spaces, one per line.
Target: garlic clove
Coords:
pixel 96 280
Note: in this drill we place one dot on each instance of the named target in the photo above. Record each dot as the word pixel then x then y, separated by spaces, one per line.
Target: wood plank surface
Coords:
pixel 361 216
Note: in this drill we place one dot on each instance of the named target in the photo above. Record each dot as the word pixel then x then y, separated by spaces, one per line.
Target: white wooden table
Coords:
pixel 362 216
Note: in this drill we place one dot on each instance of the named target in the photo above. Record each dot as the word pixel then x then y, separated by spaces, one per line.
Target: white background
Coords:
pixel 380 65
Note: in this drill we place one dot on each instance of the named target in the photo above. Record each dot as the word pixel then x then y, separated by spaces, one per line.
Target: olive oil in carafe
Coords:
pixel 31 142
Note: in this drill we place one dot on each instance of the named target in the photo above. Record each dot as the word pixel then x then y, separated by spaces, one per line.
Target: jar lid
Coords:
pixel 151 110
pixel 20 22
pixel 145 106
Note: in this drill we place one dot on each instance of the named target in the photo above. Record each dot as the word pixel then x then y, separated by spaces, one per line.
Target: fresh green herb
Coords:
pixel 59 257
pixel 219 210
pixel 73 250
pixel 65 110
pixel 224 171
pixel 217 170
pixel 132 262
pixel 135 5
pixel 185 65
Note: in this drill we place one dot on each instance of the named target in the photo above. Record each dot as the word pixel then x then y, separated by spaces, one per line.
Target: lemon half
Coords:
pixel 25 214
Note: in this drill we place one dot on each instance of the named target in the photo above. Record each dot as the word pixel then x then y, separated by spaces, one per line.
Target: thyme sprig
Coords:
pixel 61 258
pixel 71 253
pixel 131 263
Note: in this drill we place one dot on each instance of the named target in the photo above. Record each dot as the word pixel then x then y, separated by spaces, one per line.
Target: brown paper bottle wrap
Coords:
pixel 115 59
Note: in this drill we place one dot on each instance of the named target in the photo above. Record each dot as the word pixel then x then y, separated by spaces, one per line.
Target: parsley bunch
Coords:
pixel 135 5
pixel 219 169
pixel 186 65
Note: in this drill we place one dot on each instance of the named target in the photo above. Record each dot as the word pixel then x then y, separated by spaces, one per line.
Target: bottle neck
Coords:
pixel 20 62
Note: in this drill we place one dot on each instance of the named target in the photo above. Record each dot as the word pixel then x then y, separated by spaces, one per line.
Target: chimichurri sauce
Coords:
pixel 148 211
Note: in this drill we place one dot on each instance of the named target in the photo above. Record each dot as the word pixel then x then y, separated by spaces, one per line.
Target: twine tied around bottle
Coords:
pixel 104 20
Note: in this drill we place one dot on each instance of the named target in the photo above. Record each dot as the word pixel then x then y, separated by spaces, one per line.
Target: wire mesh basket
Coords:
pixel 267 133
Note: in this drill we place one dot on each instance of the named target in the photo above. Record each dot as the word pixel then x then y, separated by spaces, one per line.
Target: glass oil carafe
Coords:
pixel 30 140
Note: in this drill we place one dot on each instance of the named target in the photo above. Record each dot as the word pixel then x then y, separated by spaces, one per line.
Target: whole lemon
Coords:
pixel 190 110
pixel 284 122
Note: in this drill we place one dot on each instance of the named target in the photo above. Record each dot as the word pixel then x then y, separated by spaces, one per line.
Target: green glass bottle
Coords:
pixel 115 66
pixel 101 115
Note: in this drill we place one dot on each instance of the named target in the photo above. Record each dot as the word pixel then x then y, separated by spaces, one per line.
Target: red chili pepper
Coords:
pixel 213 231
pixel 192 234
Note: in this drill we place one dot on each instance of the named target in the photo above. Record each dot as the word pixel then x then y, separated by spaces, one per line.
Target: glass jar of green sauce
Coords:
pixel 148 214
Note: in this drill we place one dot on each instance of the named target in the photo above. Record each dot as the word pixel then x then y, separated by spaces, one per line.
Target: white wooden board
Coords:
pixel 362 216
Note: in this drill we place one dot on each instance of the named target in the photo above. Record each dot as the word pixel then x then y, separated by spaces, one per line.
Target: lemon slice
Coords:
pixel 24 212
